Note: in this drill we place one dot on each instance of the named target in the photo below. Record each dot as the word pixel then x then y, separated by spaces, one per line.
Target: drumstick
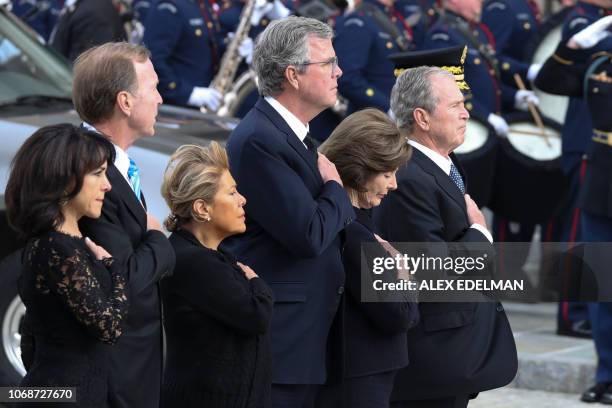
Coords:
pixel 532 109
pixel 526 132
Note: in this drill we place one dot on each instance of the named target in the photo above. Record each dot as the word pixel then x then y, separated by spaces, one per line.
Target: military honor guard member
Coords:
pixel 364 40
pixel 186 42
pixel 513 24
pixel 578 68
pixel 460 25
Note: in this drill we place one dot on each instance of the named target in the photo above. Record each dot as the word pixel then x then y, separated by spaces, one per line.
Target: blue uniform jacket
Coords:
pixel 292 240
pixel 43 20
pixel 141 9
pixel 513 23
pixel 186 44
pixel 577 129
pixel 489 93
pixel 363 48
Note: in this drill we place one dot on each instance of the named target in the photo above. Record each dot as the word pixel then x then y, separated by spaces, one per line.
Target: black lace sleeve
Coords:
pixel 69 274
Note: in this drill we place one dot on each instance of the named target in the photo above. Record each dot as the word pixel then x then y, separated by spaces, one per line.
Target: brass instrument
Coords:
pixel 224 80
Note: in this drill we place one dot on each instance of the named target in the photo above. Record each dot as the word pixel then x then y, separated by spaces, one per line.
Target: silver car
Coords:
pixel 35 86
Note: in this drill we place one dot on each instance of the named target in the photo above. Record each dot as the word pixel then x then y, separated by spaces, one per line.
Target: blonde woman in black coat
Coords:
pixel 217 311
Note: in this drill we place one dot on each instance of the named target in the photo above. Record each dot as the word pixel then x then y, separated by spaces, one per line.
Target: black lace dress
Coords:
pixel 75 306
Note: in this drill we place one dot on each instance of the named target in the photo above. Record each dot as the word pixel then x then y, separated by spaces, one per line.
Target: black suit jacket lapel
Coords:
pixel 443 180
pixel 291 137
pixel 123 189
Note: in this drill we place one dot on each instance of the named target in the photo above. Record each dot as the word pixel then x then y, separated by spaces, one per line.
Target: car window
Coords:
pixel 26 65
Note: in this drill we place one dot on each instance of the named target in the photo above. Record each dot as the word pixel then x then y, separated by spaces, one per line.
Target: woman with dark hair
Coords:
pixel 217 311
pixel 73 290
pixel 367 150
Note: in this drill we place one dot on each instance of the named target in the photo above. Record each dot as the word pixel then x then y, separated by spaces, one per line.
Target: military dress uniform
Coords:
pixel 38 16
pixel 419 15
pixel 513 24
pixel 577 128
pixel 186 44
pixel 140 8
pixel 587 74
pixel 482 66
pixel 575 135
pixel 364 41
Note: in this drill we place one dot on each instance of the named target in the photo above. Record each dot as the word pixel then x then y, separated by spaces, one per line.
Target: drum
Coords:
pixel 477 157
pixel 529 182
pixel 543 45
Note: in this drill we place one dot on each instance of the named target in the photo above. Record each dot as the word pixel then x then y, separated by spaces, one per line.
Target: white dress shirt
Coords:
pixel 444 163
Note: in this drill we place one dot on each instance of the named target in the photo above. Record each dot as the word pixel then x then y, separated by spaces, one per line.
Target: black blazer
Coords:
pixel 375 332
pixel 457 348
pixel 292 240
pixel 89 23
pixel 217 329
pixel 136 359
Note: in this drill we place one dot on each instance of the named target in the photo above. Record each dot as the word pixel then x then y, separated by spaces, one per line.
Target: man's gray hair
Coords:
pixel 413 90
pixel 284 42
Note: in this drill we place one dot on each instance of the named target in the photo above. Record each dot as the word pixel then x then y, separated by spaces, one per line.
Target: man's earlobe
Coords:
pixel 124 102
pixel 291 76
pixel 421 118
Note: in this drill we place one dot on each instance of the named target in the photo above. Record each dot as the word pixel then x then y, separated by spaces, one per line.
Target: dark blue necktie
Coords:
pixel 456 177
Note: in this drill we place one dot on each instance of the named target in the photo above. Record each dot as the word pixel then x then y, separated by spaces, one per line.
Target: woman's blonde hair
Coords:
pixel 193 172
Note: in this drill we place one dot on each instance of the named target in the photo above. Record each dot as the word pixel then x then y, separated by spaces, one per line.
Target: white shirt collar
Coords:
pixel 443 162
pixel 122 160
pixel 294 123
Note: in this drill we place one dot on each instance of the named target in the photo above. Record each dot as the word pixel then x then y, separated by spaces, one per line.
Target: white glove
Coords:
pixel 278 11
pixel 208 97
pixel 245 50
pixel 262 7
pixel 532 72
pixel 136 33
pixel 591 35
pixel 499 124
pixel 522 99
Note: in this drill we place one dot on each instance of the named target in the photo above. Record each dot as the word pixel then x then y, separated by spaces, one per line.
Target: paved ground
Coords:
pixel 546 362
pixel 520 398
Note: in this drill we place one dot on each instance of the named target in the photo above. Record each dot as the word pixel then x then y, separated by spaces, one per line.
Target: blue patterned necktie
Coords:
pixel 134 177
pixel 456 177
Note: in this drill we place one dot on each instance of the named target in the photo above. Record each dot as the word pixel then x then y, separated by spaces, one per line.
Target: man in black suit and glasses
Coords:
pixel 115 93
pixel 457 349
pixel 296 205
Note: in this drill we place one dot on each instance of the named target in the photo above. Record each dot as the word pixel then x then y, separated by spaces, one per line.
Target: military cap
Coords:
pixel 450 59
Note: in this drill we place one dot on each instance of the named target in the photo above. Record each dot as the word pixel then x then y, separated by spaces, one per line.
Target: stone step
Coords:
pixel 548 362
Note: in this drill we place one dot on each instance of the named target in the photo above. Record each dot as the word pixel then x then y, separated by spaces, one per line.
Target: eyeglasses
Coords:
pixel 333 61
